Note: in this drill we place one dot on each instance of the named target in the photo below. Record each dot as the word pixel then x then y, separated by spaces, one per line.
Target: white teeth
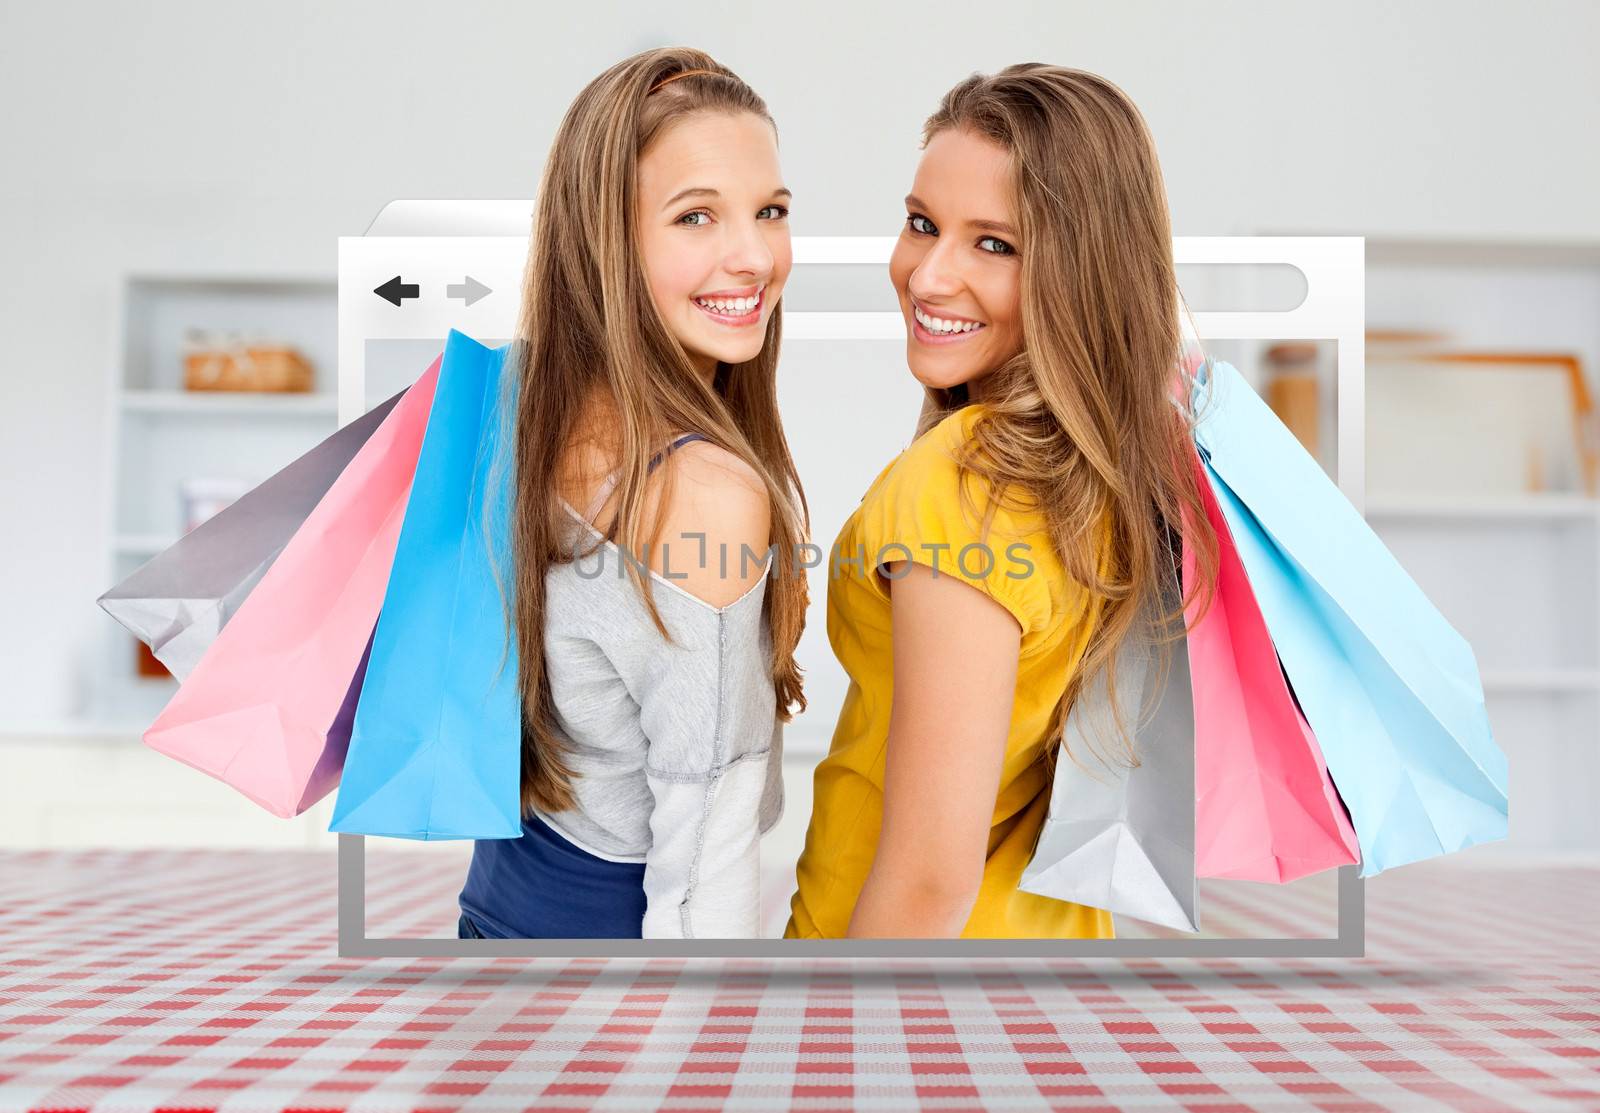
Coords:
pixel 733 307
pixel 940 325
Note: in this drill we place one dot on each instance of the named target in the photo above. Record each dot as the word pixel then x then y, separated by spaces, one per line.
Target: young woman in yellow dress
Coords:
pixel 1001 559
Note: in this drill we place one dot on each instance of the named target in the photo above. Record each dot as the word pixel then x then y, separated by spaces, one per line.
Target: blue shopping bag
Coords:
pixel 1391 690
pixel 435 752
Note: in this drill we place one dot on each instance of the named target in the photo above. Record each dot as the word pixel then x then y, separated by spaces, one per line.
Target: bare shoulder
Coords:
pixel 717 470
pixel 716 525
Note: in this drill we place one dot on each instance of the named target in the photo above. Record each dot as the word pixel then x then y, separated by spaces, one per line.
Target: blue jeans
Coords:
pixel 542 886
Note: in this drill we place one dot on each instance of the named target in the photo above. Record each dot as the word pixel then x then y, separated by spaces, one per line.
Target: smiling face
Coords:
pixel 713 231
pixel 956 267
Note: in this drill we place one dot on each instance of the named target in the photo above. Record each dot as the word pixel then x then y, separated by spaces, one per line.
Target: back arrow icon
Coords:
pixel 470 290
pixel 395 291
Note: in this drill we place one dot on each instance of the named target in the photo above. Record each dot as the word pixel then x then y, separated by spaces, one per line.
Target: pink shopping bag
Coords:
pixel 1265 806
pixel 262 709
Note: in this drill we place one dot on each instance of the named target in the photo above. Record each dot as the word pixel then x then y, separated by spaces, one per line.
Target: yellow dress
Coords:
pixel 914 503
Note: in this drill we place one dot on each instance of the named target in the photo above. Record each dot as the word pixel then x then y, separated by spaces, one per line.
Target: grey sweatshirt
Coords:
pixel 675 748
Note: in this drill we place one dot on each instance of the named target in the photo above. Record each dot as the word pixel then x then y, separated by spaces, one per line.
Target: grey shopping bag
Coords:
pixel 1118 838
pixel 177 601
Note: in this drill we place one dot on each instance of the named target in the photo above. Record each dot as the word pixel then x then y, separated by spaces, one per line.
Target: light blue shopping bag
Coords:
pixel 1389 687
pixel 435 752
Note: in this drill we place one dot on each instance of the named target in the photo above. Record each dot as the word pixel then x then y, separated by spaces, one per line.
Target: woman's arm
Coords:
pixel 955 676
pixel 708 709
pixel 702 875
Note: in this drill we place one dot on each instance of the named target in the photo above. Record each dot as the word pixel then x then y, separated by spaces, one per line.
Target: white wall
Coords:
pixel 247 137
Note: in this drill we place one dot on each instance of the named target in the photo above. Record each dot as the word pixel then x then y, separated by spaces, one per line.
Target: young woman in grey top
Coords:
pixel 657 518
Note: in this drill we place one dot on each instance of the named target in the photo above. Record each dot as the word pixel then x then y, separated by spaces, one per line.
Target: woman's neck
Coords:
pixel 978 389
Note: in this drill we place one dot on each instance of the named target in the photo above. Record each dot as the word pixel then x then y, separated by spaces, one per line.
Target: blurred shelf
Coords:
pixel 1540 681
pixel 137 544
pixel 78 728
pixel 1408 250
pixel 258 286
pixel 162 434
pixel 1511 508
pixel 320 404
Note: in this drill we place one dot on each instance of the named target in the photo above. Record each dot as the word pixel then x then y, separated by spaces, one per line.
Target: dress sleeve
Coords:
pixel 919 514
pixel 709 709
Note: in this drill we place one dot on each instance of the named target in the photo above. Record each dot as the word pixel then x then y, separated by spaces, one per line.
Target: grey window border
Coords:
pixel 1333 309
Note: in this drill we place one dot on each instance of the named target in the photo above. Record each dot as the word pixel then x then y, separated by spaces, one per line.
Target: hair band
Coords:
pixel 674 77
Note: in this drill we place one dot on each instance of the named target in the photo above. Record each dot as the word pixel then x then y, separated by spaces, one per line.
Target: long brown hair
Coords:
pixel 1084 419
pixel 589 328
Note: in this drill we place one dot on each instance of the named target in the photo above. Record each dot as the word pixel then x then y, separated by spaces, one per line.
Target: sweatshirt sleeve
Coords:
pixel 709 709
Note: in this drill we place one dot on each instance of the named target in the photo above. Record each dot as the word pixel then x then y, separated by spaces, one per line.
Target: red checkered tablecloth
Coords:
pixel 183 980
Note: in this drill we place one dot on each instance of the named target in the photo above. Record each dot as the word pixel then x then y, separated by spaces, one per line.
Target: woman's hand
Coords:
pixel 955 677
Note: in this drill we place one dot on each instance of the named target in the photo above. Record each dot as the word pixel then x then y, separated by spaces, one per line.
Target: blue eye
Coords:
pixel 697 212
pixel 930 230
pixel 1005 248
pixel 781 211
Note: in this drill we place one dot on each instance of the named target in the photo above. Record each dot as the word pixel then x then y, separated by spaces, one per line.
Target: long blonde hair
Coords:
pixel 1084 419
pixel 588 325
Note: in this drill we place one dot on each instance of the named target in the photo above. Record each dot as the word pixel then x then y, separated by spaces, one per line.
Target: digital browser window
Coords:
pixel 1287 312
